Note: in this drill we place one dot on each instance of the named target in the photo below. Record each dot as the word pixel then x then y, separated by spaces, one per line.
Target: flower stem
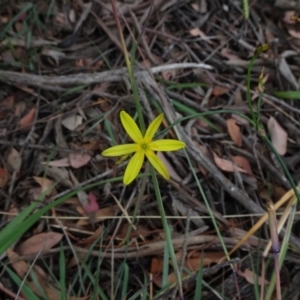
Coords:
pixel 166 229
pixel 129 68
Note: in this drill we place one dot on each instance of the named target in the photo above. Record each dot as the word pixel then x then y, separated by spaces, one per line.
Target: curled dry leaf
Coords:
pixel 226 165
pixel 39 242
pixel 93 205
pixel 72 121
pixel 278 136
pixel 234 132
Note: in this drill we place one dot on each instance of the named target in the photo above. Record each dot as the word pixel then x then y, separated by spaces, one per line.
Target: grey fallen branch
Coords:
pixel 47 82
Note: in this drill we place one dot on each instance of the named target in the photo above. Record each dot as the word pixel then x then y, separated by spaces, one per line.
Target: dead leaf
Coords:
pixel 39 242
pixel 92 145
pixel 4 177
pixel 72 121
pixel 287 17
pixel 156 265
pixel 93 205
pixel 194 264
pixel 198 32
pixel 295 34
pixel 91 239
pixel 139 230
pixel 22 269
pixel 219 90
pixel 78 160
pixel 252 277
pixel 46 185
pixel 225 52
pixel 278 136
pixel 167 75
pixel 196 7
pixel 226 165
pixel 171 278
pixel 20 266
pixel 14 160
pixel 7 103
pixel 27 121
pixel 235 132
pixel 73 261
pixel 64 162
pixel 242 162
pixel 194 260
pixel 101 215
pixel 272 191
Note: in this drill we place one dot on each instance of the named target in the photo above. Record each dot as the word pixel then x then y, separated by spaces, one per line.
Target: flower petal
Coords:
pixel 120 150
pixel 166 145
pixel 157 164
pixel 130 126
pixel 134 166
pixel 153 127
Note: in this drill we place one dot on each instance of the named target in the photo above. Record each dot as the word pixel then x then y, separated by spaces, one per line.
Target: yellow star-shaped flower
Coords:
pixel 143 145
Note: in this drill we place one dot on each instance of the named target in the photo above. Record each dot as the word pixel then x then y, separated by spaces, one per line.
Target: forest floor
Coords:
pixel 226 78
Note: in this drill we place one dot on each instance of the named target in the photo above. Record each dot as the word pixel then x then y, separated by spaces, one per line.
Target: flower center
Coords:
pixel 145 146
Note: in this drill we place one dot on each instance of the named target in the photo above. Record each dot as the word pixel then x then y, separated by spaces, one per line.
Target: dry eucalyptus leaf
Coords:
pixel 252 277
pixel 78 160
pixel 46 184
pixel 27 121
pixel 243 163
pixel 14 160
pixel 278 136
pixel 4 177
pixel 63 162
pixel 235 132
pixel 226 165
pixel 39 242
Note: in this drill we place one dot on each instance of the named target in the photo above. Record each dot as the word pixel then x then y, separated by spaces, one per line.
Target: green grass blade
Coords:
pixel 288 95
pixel 62 274
pixel 125 280
pixel 25 289
pixel 198 291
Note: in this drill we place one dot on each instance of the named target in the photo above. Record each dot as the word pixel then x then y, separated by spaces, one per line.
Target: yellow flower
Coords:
pixel 143 145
